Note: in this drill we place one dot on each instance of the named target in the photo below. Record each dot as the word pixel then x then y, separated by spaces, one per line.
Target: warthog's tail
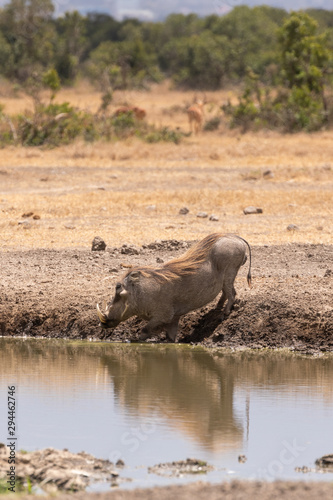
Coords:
pixel 249 277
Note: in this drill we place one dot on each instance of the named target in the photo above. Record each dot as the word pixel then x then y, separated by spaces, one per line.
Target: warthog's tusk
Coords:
pixel 101 316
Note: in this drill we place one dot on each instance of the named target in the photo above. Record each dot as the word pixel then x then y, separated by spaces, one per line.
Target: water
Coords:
pixel 149 404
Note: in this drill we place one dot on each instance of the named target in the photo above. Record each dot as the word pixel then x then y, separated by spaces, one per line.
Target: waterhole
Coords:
pixel 251 415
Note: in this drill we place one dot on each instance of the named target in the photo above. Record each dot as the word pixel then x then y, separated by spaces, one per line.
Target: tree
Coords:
pixel 26 27
pixel 71 46
pixel 305 56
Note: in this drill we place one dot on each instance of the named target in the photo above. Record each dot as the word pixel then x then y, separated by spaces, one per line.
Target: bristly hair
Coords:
pixel 184 265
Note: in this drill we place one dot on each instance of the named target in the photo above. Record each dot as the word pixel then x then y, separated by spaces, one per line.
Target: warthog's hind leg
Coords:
pixel 228 293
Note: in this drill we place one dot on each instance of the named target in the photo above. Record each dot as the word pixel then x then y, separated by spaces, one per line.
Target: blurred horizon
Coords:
pixel 152 10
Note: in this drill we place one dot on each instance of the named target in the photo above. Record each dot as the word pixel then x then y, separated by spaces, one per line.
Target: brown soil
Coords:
pixel 53 293
pixel 235 490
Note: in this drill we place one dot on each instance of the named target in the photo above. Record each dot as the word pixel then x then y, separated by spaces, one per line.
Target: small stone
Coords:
pixel 252 210
pixel 98 244
pixel 36 217
pixel 328 273
pixel 27 214
pixel 129 250
pixel 292 227
pixel 202 215
pixel 159 260
pixel 214 218
pixel 184 211
pixel 120 463
pixel 24 223
pixel 268 174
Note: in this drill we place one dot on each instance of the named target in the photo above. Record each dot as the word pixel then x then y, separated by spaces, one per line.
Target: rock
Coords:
pixel 159 260
pixel 24 223
pixel 36 217
pixel 268 174
pixel 252 210
pixel 129 250
pixel 178 468
pixel 98 244
pixel 328 273
pixel 325 462
pixel 214 218
pixel 184 211
pixel 202 215
pixel 292 227
pixel 27 214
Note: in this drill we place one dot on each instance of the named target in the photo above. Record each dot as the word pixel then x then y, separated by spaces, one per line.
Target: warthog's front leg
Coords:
pixel 155 326
pixel 149 329
pixel 172 329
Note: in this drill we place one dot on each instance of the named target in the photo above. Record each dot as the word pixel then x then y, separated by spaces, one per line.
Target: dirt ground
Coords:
pixel 235 490
pixel 54 202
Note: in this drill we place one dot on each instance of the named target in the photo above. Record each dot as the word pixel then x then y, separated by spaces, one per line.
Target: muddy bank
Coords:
pixel 53 293
pixel 61 472
pixel 54 470
pixel 235 490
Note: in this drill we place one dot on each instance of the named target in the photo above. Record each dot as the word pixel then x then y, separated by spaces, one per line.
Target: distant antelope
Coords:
pixel 139 113
pixel 195 115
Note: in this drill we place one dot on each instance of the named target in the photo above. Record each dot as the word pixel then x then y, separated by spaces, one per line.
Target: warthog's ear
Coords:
pixel 134 276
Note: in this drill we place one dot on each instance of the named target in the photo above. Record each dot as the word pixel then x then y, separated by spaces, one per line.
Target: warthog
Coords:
pixel 189 282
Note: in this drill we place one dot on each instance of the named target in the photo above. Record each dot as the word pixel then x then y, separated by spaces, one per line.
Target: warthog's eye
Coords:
pixel 118 287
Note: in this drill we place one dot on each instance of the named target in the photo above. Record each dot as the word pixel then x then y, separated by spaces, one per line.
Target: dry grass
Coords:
pixel 132 192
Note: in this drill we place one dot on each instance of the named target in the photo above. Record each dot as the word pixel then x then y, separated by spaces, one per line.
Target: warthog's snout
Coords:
pixel 105 321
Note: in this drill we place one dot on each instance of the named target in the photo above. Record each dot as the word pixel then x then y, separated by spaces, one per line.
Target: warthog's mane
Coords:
pixel 185 265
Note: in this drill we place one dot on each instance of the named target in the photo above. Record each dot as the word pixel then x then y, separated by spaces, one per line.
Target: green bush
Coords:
pixel 164 134
pixel 212 124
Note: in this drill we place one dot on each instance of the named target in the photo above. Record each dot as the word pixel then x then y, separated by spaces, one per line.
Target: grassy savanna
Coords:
pixel 131 192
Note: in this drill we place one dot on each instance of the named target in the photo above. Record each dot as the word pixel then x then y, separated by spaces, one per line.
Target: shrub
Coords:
pixel 163 134
pixel 212 124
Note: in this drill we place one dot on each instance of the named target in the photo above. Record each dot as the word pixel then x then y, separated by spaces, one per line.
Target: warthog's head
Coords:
pixel 117 310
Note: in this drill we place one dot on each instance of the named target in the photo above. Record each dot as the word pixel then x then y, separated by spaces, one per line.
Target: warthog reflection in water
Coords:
pixel 184 284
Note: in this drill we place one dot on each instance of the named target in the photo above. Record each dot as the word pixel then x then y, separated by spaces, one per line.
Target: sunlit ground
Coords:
pixel 131 192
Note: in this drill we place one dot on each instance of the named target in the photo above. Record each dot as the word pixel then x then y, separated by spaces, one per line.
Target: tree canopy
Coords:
pixel 196 52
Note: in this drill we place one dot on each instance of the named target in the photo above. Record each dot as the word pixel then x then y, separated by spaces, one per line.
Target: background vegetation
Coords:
pixel 282 61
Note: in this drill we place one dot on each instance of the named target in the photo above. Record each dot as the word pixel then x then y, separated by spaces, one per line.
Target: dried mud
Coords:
pixel 53 293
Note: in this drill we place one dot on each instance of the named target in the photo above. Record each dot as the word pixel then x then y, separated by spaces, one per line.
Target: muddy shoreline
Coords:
pixel 53 293
pixel 61 473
